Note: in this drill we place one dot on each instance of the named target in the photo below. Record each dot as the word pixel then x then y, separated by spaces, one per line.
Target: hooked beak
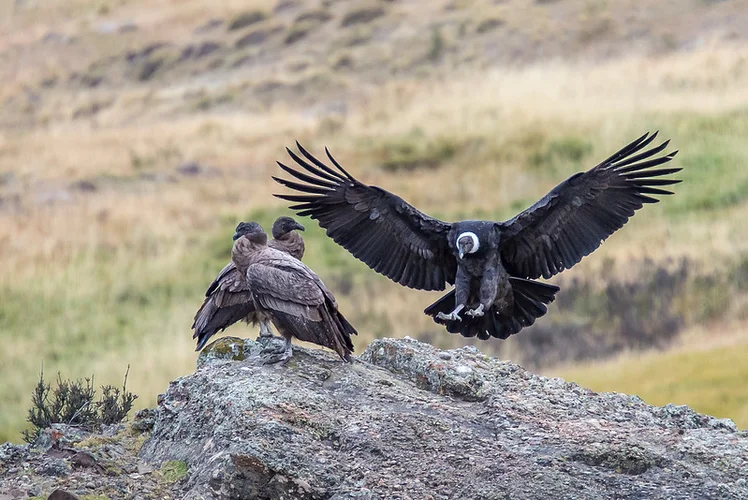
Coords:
pixel 461 253
pixel 236 236
pixel 298 226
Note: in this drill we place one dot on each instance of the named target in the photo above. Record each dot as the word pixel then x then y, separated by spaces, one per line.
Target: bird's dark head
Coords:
pixel 284 225
pixel 467 243
pixel 252 231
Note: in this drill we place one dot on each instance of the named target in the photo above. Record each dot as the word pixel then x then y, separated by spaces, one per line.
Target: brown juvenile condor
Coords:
pixel 289 294
pixel 490 263
pixel 229 299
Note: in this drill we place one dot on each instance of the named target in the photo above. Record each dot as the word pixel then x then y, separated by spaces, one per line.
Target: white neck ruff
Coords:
pixel 472 236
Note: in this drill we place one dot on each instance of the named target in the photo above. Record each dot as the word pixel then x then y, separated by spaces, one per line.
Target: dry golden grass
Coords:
pixel 97 280
pixel 707 372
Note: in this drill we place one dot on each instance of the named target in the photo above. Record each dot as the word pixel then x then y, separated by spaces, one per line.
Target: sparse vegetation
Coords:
pixel 570 149
pixel 299 30
pixel 174 470
pixel 437 44
pixel 73 402
pixel 413 150
pixel 489 24
pixel 316 15
pixel 362 15
pixel 245 19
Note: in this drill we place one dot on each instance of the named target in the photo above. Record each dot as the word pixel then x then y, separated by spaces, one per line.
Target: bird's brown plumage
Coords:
pixel 228 299
pixel 288 293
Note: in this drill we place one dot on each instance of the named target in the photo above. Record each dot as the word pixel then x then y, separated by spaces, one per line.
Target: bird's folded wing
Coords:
pixel 232 286
pixel 575 217
pixel 379 228
pixel 286 289
pixel 227 300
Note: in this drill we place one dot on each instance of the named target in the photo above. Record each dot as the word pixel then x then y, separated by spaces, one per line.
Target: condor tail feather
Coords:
pixel 530 303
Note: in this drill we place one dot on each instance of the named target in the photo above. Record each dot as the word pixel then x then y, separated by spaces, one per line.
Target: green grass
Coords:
pixel 711 381
pixel 174 470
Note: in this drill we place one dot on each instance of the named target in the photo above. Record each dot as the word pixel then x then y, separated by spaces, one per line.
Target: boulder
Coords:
pixel 406 420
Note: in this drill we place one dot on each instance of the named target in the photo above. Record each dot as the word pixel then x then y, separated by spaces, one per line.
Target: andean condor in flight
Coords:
pixel 491 264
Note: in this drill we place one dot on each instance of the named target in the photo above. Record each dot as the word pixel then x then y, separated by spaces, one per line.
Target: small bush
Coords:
pixel 157 60
pixel 246 19
pixel 437 45
pixel 592 30
pixel 317 15
pixel 299 30
pixel 256 37
pixel 362 16
pixel 488 25
pixel 73 403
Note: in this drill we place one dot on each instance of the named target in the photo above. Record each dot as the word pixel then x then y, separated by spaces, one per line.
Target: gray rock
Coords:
pixel 62 495
pixel 59 435
pixel 144 420
pixel 54 467
pixel 406 420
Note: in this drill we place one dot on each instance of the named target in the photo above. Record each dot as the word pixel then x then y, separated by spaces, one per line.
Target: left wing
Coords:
pixel 573 219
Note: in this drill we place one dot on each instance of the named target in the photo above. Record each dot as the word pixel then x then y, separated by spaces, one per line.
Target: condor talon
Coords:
pixel 449 317
pixel 453 316
pixel 476 313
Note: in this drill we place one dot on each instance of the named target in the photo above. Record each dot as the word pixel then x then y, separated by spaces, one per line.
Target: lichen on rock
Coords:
pixel 404 420
pixel 407 420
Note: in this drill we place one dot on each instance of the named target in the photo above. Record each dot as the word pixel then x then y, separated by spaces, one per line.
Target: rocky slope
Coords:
pixel 404 421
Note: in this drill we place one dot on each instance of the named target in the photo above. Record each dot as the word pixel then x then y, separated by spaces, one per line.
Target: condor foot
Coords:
pixel 272 353
pixel 475 313
pixel 453 316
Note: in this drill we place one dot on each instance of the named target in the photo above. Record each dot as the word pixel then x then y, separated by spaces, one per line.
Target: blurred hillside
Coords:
pixel 135 134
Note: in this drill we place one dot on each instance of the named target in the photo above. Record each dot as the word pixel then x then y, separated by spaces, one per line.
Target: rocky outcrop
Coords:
pixel 404 421
pixel 409 421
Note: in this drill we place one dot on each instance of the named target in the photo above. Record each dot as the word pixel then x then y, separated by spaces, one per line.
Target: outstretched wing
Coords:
pixel 379 228
pixel 580 213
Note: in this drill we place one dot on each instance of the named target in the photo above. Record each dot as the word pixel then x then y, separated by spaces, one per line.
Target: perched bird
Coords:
pixel 229 299
pixel 490 263
pixel 288 294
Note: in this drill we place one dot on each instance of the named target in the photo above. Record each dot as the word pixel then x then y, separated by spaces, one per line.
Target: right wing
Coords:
pixel 381 229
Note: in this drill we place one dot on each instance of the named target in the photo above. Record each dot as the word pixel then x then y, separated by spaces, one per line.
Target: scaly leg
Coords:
pixel 272 355
pixel 453 316
pixel 288 352
pixel 265 330
pixel 477 312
